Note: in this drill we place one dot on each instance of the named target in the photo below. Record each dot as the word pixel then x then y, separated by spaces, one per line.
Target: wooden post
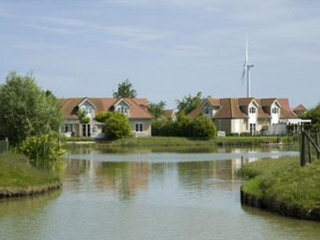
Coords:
pixel 309 151
pixel 317 142
pixel 302 151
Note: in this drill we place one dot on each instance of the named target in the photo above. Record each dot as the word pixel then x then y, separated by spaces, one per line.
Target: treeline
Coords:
pixel 197 128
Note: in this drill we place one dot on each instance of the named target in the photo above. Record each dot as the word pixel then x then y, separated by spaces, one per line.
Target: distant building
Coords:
pixel 170 113
pixel 134 108
pixel 300 109
pixel 251 115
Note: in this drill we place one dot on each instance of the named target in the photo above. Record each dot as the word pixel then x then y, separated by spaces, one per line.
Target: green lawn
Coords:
pixel 16 175
pixel 182 141
pixel 284 180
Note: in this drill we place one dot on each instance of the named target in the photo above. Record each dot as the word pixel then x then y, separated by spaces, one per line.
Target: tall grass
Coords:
pixel 285 181
pixel 17 174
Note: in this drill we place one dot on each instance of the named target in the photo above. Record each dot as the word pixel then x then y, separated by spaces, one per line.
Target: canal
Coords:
pixel 138 194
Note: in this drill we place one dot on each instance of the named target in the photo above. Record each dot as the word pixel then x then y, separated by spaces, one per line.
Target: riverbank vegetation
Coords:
pixel 19 178
pixel 30 119
pixel 284 181
pixel 197 128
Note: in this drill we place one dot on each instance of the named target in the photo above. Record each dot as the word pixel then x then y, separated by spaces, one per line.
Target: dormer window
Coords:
pixel 123 109
pixel 252 110
pixel 275 110
pixel 206 110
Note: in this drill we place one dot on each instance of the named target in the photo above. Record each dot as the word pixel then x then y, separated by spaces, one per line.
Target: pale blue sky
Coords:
pixel 167 48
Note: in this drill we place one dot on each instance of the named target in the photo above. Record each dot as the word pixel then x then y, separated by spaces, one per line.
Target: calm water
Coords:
pixel 146 194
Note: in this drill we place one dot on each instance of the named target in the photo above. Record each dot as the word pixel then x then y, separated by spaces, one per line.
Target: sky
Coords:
pixel 166 48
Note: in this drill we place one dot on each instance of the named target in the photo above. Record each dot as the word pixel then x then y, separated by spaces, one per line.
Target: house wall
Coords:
pixel 252 116
pixel 275 117
pixel 237 126
pixel 263 122
pixel 146 127
pixel 223 125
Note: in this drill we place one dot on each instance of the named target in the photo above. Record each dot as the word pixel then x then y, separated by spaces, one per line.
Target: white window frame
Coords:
pixel 275 110
pixel 252 110
pixel 140 127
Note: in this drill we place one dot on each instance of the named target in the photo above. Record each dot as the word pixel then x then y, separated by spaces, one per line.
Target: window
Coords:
pixel 275 110
pixel 139 127
pixel 252 128
pixel 68 128
pixel 206 110
pixel 86 130
pixel 252 110
pixel 123 109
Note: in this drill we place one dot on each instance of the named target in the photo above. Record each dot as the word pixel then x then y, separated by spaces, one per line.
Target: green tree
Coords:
pixel 103 116
pixel 125 90
pixel 201 127
pixel 117 126
pixel 26 110
pixel 189 103
pixel 314 115
pixel 156 109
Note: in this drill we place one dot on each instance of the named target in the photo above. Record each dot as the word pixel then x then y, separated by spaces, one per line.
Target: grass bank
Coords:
pixel 182 141
pixel 19 178
pixel 285 187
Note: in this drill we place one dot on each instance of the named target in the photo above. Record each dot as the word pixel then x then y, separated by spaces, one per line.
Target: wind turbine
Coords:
pixel 246 70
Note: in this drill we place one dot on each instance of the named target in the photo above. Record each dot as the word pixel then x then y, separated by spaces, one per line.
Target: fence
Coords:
pixel 4 145
pixel 310 147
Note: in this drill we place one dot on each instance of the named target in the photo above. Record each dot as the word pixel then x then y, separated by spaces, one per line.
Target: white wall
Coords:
pixel 275 117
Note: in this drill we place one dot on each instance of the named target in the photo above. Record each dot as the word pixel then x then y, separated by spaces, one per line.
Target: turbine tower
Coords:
pixel 246 70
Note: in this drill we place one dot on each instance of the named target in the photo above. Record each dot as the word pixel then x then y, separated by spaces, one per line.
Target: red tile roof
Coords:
pixel 137 106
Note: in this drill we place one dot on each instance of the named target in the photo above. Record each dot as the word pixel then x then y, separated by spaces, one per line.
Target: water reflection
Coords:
pixel 150 195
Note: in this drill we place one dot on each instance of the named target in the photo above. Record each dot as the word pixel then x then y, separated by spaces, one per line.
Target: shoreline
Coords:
pixel 5 193
pixel 280 208
pixel 182 141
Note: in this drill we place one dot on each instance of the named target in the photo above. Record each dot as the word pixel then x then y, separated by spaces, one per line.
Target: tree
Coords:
pixel 156 109
pixel 125 90
pixel 314 115
pixel 189 103
pixel 26 110
pixel 201 127
pixel 117 126
pixel 102 116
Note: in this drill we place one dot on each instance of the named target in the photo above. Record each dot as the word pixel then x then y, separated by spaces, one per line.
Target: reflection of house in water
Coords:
pixel 123 177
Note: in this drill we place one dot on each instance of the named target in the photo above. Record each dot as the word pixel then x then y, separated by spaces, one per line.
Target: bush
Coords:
pixel 199 127
pixel 202 128
pixel 43 148
pixel 26 110
pixel 117 126
pixel 102 116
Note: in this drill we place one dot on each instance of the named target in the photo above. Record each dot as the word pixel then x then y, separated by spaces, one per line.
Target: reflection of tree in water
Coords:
pixel 124 177
pixel 195 175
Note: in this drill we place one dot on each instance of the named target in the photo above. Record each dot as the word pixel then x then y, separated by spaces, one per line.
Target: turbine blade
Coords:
pixel 242 76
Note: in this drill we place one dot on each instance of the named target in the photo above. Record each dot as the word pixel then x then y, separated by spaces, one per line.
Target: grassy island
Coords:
pixel 19 178
pixel 281 185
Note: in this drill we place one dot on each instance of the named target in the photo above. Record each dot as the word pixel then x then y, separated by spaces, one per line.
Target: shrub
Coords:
pixel 117 126
pixel 103 116
pixel 26 110
pixel 84 119
pixel 199 127
pixel 43 148
pixel 202 128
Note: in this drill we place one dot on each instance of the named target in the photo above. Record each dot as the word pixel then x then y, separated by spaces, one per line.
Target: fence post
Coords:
pixel 302 151
pixel 309 151
pixel 7 144
pixel 317 142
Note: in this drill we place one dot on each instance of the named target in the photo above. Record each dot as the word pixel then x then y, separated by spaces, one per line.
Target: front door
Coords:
pixel 252 128
pixel 86 130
